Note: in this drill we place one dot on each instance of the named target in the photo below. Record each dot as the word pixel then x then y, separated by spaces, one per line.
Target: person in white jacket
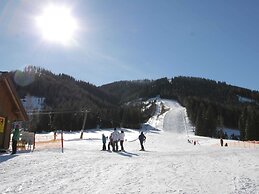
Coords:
pixel 115 138
pixel 122 137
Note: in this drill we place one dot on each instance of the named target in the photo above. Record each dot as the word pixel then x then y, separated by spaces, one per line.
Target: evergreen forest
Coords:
pixel 210 105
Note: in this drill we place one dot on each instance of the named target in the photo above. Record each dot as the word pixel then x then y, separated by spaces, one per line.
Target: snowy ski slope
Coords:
pixel 170 164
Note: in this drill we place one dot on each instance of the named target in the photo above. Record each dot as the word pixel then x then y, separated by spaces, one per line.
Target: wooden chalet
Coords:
pixel 11 109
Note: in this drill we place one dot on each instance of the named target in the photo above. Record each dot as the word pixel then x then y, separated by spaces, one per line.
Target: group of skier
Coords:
pixel 117 138
pixel 114 139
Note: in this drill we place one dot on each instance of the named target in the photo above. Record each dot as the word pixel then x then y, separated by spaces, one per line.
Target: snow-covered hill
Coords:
pixel 170 164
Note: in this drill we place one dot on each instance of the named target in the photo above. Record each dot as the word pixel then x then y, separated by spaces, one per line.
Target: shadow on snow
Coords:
pixel 127 154
pixel 5 157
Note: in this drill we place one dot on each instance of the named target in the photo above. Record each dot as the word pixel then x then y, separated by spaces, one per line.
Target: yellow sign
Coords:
pixel 2 124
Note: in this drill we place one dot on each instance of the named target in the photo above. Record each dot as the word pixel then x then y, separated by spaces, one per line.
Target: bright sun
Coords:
pixel 57 24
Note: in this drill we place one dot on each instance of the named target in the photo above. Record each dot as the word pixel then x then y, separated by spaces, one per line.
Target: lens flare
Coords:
pixel 24 78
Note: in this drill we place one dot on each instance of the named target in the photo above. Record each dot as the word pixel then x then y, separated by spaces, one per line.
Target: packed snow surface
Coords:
pixel 170 164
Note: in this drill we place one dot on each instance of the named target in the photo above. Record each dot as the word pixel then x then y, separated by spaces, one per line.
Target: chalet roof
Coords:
pixel 5 78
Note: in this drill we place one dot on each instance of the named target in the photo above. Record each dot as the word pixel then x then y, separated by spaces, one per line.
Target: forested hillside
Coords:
pixel 210 105
pixel 67 99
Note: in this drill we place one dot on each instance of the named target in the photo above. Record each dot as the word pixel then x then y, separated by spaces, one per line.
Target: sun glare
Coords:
pixel 57 24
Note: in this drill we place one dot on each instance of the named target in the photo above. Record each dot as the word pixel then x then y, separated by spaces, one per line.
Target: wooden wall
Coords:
pixel 8 109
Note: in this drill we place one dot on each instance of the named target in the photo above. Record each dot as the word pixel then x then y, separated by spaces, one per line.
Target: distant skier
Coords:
pixel 221 141
pixel 142 139
pixel 15 138
pixel 104 142
pixel 122 137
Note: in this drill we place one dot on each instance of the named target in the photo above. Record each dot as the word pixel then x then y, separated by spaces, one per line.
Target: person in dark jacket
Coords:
pixel 104 142
pixel 142 139
pixel 15 138
pixel 221 141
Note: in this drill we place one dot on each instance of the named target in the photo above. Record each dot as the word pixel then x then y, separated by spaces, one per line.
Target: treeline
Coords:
pixel 210 105
pixel 67 99
pixel 214 105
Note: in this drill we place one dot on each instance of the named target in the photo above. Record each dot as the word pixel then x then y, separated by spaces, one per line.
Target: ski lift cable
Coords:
pixel 55 112
pixel 66 112
pixel 50 112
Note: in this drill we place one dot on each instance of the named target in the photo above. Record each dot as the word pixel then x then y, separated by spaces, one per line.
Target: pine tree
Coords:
pixel 242 124
pixel 210 122
pixel 251 124
pixel 200 124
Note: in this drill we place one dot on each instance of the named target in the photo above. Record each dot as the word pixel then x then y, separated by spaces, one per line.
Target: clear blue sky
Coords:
pixel 138 39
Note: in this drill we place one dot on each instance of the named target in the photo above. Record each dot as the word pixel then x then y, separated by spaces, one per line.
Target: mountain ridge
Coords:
pixel 210 104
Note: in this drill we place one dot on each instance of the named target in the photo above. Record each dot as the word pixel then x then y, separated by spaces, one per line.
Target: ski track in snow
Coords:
pixel 170 164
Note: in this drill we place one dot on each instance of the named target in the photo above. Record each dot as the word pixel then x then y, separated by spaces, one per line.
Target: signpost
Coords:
pixel 83 126
pixel 2 124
